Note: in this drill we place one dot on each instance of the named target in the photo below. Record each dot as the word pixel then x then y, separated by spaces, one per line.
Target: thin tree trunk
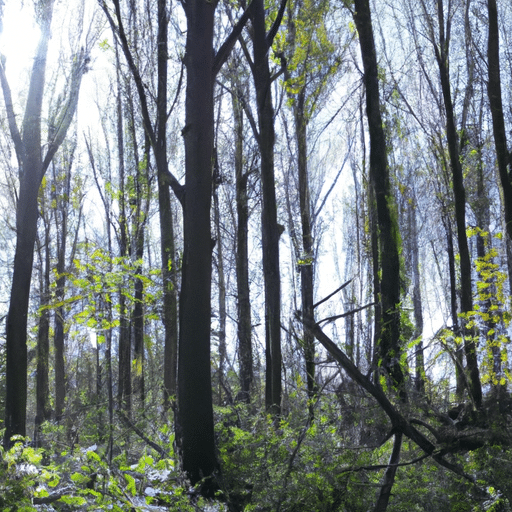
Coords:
pixel 460 208
pixel 142 207
pixel 124 392
pixel 244 329
pixel 389 476
pixel 307 260
pixel 416 300
pixel 269 226
pixel 221 287
pixel 43 412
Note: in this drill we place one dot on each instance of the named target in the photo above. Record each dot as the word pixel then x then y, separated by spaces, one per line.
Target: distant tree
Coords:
pixel 310 61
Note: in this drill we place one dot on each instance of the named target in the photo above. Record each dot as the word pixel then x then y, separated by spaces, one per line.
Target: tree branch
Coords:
pixel 63 119
pixel 399 422
pixel 226 47
pixel 275 26
pixel 11 116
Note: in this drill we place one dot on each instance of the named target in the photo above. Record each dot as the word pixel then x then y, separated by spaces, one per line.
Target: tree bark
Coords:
pixel 195 411
pixel 269 226
pixel 33 166
pixel 441 53
pixel 498 121
pixel 244 329
pixel 43 412
pixel 416 299
pixel 124 390
pixel 389 237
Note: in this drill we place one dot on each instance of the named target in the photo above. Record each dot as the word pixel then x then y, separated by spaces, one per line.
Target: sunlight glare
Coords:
pixel 18 40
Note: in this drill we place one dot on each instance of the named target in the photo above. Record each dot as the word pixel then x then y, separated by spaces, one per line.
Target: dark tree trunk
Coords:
pixel 242 255
pixel 269 226
pixel 158 140
pixel 61 230
pixel 142 207
pixel 498 122
pixel 195 411
pixel 416 299
pixel 169 270
pixel 31 174
pixel 389 475
pixel 389 238
pixel 221 334
pixel 307 258
pixel 124 391
pixel 459 193
pixel 43 412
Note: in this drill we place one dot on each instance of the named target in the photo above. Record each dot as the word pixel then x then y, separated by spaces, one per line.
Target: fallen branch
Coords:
pixel 141 434
pixel 398 421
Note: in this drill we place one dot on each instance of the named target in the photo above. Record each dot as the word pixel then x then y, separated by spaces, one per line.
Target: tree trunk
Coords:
pixel 167 249
pixel 221 334
pixel 32 165
pixel 137 320
pixel 31 174
pixel 124 391
pixel 195 411
pixel 498 122
pixel 270 228
pixel 389 475
pixel 244 328
pixel 460 210
pixel 307 258
pixel 389 237
pixel 416 299
pixel 43 412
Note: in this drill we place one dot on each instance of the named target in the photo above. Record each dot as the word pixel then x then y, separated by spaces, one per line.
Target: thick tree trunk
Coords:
pixel 195 411
pixel 32 168
pixel 31 174
pixel 389 237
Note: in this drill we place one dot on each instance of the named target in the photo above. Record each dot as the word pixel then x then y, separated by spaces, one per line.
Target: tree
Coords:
pixel 270 229
pixel 33 164
pixel 244 327
pixel 311 60
pixel 387 228
pixel 156 132
pixel 503 155
pixel 441 51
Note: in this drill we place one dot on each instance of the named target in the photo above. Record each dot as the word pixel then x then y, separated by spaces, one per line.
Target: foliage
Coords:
pixel 292 464
pixel 84 480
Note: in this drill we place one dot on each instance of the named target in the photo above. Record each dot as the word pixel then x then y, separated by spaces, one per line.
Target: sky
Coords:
pixel 18 39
